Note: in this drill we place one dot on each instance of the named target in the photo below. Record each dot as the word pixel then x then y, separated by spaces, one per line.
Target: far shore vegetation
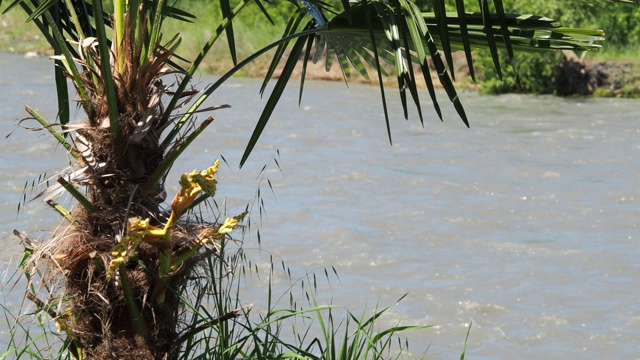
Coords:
pixel 613 71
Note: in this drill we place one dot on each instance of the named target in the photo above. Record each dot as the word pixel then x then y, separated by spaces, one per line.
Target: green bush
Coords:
pixel 535 73
pixel 538 73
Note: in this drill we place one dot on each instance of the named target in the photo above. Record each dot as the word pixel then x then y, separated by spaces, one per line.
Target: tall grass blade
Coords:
pixel 225 7
pixel 222 79
pixel 77 195
pixel 378 67
pixel 178 14
pixel 192 69
pixel 60 210
pixel 305 61
pixel 52 131
pixel 41 8
pixel 504 28
pixel 59 44
pixel 466 340
pixel 292 26
pixel 445 80
pixel 175 152
pixel 62 91
pixel 136 316
pixel 119 9
pixel 157 14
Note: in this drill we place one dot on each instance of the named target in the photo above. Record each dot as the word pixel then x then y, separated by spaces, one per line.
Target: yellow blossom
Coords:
pixel 137 224
pixel 228 225
pixel 193 184
pixel 210 172
pixel 189 187
pixel 211 236
pixel 61 325
pixel 62 321
pixel 207 179
pixel 135 234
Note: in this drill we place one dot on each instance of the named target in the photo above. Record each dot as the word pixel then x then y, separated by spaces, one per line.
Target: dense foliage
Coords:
pixel 547 74
pixel 621 23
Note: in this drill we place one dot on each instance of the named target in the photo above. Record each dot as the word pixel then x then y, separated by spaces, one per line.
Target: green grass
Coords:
pixel 217 325
pixel 613 53
pixel 251 30
pixel 18 36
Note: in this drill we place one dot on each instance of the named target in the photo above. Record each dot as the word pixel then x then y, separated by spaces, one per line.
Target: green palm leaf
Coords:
pixel 397 33
pixel 364 36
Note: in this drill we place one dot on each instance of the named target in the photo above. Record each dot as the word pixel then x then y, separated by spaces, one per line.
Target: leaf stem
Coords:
pixel 52 131
pixel 136 316
pixel 77 195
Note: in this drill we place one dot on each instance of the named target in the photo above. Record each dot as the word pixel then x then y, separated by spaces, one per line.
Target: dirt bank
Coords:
pixel 597 78
pixel 574 77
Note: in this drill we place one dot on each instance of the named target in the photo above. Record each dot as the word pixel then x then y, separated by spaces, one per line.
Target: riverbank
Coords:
pixel 573 76
pixel 597 77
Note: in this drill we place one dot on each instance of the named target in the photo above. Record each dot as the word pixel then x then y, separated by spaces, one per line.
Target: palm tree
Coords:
pixel 120 258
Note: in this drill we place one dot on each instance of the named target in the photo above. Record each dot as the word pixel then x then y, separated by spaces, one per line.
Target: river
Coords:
pixel 526 225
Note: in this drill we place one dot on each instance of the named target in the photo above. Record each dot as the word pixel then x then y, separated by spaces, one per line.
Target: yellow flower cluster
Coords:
pixel 189 187
pixel 135 234
pixel 193 184
pixel 229 223
pixel 207 179
pixel 62 321
pixel 212 236
pixel 171 261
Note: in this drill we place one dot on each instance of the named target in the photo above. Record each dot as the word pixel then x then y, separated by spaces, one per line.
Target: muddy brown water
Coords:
pixel 527 224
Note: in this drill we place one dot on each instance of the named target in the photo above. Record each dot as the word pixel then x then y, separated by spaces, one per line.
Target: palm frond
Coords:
pixel 225 7
pixel 178 94
pixel 526 32
pixel 275 94
pixel 397 33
